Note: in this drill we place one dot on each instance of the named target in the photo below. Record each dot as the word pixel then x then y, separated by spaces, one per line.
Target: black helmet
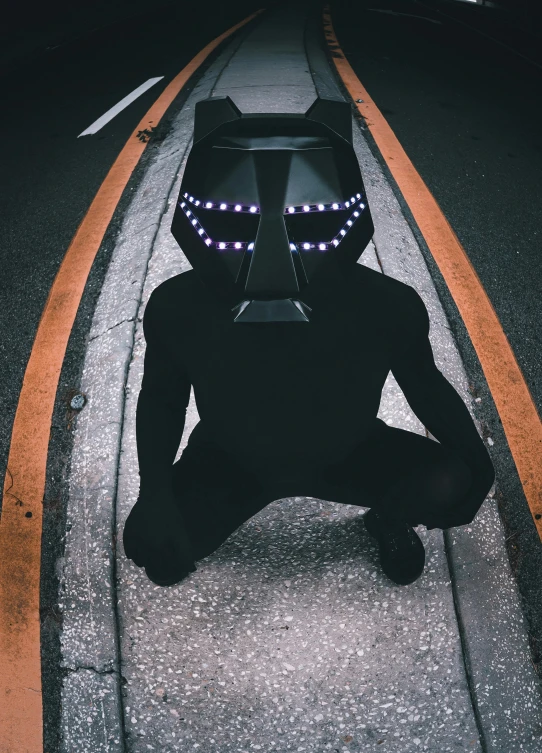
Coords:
pixel 265 200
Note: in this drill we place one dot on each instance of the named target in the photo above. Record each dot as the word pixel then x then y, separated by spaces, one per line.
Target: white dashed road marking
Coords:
pixel 110 114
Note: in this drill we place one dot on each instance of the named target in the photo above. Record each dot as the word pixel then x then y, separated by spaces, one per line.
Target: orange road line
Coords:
pixel 514 402
pixel 21 719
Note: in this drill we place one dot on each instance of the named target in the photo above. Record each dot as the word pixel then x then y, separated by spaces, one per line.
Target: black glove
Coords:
pixel 155 538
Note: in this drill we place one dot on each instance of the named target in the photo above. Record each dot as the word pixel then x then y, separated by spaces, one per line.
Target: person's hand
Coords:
pixel 155 538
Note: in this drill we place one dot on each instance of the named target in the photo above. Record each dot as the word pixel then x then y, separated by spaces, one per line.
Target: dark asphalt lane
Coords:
pixel 468 115
pixel 510 23
pixel 48 176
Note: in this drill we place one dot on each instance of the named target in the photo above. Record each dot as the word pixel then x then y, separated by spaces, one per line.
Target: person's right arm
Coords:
pixel 154 535
pixel 161 407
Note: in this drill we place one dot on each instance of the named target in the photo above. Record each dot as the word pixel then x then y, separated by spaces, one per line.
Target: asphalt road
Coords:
pixel 467 111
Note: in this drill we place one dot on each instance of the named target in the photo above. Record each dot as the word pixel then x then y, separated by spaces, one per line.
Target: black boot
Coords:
pixel 402 556
pixel 169 577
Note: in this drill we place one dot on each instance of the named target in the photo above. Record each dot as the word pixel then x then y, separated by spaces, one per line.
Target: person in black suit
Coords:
pixel 287 343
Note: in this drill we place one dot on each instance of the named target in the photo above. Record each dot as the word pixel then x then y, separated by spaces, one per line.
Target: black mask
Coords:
pixel 266 200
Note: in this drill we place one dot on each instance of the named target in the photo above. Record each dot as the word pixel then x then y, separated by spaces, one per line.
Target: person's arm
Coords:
pixel 441 410
pixel 161 408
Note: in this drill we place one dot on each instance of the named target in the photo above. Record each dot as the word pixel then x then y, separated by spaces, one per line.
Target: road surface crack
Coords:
pixel 123 321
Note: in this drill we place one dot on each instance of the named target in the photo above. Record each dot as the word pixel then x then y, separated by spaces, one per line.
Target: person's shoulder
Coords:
pixel 170 299
pixel 389 290
pixel 397 305
pixel 184 281
pixel 173 291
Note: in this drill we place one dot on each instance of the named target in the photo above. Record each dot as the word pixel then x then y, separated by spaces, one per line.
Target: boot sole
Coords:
pixel 172 581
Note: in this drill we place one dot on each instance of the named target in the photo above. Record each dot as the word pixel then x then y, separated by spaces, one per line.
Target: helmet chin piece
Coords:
pixel 266 200
pixel 280 310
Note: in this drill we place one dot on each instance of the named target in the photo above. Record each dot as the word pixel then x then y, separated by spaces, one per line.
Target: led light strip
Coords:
pixel 221 205
pixel 255 210
pixel 322 246
pixel 200 231
pixel 321 207
pixel 335 241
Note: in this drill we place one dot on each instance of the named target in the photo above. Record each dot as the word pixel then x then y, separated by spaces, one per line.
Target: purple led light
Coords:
pixel 238 207
pixel 208 241
pixel 337 239
pixel 253 209
pixel 312 208
pixel 205 204
pixel 318 207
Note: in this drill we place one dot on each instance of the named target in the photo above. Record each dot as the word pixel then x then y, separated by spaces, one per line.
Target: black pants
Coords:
pixel 404 475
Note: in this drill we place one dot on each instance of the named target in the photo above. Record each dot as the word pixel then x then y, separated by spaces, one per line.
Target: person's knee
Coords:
pixel 451 480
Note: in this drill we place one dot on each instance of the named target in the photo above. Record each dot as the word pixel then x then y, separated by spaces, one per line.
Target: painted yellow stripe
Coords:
pixel 21 721
pixel 516 407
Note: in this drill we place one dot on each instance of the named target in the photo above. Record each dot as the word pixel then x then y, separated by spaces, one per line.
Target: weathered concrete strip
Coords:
pixel 219 646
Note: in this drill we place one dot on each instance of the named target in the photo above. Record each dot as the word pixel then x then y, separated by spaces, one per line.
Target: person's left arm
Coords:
pixel 441 410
